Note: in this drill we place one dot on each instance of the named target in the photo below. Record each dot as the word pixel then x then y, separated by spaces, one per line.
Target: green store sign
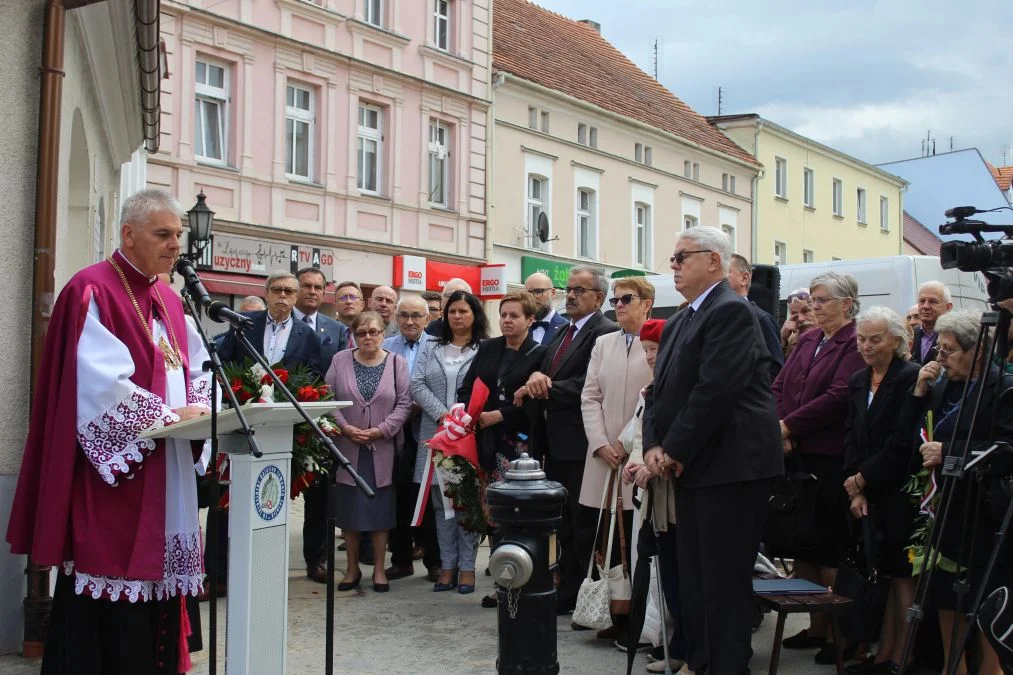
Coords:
pixel 557 271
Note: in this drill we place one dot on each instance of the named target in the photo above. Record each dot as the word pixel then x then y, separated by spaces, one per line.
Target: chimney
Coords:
pixel 592 24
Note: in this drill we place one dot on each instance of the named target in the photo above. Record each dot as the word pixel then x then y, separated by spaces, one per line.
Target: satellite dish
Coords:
pixel 542 228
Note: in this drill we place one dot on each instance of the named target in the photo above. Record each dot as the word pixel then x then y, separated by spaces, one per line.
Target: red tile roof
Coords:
pixel 1003 176
pixel 558 53
pixel 920 237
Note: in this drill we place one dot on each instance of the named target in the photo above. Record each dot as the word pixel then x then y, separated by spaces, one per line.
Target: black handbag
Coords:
pixel 858 578
pixel 790 528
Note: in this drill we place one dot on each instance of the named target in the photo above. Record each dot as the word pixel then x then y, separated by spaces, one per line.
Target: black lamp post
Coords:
pixel 201 218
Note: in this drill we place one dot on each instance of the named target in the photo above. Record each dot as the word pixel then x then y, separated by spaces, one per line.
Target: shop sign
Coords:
pixel 493 282
pixel 260 257
pixel 557 271
pixel 415 273
pixel 410 272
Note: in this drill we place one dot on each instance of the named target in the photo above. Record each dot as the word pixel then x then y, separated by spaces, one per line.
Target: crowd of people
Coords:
pixel 698 416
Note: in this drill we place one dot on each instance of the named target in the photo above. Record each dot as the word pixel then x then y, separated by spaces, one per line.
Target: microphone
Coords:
pixel 217 311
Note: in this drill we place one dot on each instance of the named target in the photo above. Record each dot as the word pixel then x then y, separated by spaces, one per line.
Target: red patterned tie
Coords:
pixel 563 347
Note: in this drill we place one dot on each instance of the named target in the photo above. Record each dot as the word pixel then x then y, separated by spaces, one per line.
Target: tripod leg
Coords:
pixel 329 659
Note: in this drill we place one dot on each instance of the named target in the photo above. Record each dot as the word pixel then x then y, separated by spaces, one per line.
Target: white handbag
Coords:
pixel 593 606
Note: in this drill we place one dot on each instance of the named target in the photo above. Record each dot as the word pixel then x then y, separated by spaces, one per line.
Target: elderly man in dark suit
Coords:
pixel 547 320
pixel 333 335
pixel 934 300
pixel 710 420
pixel 558 431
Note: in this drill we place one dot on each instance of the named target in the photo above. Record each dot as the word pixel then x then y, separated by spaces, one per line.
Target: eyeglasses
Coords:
pixel 283 290
pixel 947 353
pixel 625 299
pixel 372 332
pixel 349 298
pixel 820 300
pixel 799 295
pixel 414 316
pixel 578 290
pixel 680 257
pixel 537 292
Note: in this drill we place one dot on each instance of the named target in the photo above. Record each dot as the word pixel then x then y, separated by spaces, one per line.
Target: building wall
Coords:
pixel 327 48
pixel 817 228
pixel 611 171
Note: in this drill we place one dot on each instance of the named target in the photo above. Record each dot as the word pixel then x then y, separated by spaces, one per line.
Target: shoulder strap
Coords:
pixel 622 528
pixel 606 485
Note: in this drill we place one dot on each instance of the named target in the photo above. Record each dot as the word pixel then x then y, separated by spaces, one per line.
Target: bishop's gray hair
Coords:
pixel 139 207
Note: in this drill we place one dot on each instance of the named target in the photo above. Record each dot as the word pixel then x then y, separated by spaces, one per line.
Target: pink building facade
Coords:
pixel 341 133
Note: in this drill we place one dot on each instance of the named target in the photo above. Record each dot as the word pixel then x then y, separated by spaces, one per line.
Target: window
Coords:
pixel 808 188
pixel 781 178
pixel 582 134
pixel 537 189
pixel 648 158
pixel 642 235
pixel 441 24
pixel 730 231
pixel 370 148
pixel 545 122
pixel 439 167
pixel 532 118
pixel 586 233
pixel 807 256
pixel 687 169
pixel 696 171
pixel 594 137
pixel 780 253
pixel 638 152
pixel 884 214
pixel 211 101
pixel 374 12
pixel 731 184
pixel 838 197
pixel 688 222
pixel 298 130
pixel 861 206
pixel 724 182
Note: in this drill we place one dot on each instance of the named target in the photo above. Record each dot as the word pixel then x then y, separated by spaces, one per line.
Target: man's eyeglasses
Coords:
pixel 414 316
pixel 799 295
pixel 625 299
pixel 680 257
pixel 538 292
pixel 578 290
pixel 283 290
pixel 349 298
pixel 947 353
pixel 372 332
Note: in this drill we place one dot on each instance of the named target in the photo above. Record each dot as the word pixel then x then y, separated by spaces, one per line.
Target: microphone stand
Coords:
pixel 214 365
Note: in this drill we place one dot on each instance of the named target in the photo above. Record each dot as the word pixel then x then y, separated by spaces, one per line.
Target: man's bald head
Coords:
pixel 540 286
pixel 382 301
pixel 454 285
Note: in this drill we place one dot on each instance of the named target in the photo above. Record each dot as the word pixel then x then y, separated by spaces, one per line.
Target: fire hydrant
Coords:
pixel 528 510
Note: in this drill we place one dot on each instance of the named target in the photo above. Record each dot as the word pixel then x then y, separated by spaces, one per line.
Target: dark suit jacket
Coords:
pixel 435 327
pixel 771 338
pixel 916 348
pixel 333 336
pixel 558 425
pixel 303 347
pixel 557 322
pixel 872 431
pixel 710 406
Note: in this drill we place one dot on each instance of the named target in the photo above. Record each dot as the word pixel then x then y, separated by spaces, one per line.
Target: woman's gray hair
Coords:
pixel 895 326
pixel 963 325
pixel 600 282
pixel 840 286
pixel 139 207
pixel 714 240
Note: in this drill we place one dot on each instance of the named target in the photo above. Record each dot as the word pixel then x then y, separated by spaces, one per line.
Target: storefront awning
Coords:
pixel 245 284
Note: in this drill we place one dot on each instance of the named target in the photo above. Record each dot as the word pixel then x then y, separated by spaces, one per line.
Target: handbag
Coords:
pixel 790 528
pixel 593 606
pixel 858 578
pixel 620 588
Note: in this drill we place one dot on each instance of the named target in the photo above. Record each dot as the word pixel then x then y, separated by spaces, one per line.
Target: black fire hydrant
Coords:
pixel 528 509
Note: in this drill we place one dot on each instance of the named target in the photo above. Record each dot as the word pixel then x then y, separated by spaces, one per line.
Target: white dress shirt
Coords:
pixel 538 332
pixel 309 319
pixel 276 338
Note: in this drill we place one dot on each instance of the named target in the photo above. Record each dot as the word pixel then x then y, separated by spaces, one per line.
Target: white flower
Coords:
pixel 266 394
pixel 258 372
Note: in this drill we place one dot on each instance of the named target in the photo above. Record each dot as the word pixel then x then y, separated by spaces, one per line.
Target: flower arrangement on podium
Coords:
pixel 453 463
pixel 252 385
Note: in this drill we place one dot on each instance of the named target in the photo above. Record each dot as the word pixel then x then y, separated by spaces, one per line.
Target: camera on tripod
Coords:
pixel 994 258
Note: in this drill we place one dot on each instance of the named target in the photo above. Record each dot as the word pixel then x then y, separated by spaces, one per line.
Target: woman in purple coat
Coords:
pixel 377 384
pixel 812 403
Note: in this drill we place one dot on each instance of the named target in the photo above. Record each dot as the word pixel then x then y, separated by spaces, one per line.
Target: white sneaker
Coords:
pixel 659 666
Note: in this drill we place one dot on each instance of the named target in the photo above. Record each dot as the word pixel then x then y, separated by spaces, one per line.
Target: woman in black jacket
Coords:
pixel 876 464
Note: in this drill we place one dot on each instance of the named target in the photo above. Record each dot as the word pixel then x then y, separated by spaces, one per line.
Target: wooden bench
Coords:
pixel 796 603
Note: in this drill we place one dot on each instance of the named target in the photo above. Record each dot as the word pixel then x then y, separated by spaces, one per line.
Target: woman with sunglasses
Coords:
pixel 800 319
pixel 377 384
pixel 439 374
pixel 617 372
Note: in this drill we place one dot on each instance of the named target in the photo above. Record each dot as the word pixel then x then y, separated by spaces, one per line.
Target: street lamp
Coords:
pixel 200 217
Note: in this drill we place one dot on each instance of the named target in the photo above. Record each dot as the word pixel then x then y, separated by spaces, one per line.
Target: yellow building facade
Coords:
pixel 812 203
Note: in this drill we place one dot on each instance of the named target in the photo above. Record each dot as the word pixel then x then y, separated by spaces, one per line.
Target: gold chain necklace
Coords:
pixel 173 355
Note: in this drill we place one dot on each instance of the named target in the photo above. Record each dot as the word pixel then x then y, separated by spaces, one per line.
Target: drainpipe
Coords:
pixel 756 188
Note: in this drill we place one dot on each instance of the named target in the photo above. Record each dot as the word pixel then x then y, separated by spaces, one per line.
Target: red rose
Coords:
pixel 237 383
pixel 282 375
pixel 307 393
pixel 243 396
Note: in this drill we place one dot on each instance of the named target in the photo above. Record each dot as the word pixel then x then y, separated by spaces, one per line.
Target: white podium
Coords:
pixel 260 489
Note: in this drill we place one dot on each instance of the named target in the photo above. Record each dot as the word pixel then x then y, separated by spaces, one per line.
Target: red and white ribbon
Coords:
pixel 925 506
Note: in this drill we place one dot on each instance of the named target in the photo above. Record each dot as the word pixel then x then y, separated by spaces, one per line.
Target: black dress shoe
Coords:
pixel 399 572
pixel 380 588
pixel 802 640
pixel 827 655
pixel 367 559
pixel 349 585
pixel 490 601
pixel 344 547
pixel 318 573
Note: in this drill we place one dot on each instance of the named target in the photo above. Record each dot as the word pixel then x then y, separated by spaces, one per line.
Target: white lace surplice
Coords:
pixel 111 412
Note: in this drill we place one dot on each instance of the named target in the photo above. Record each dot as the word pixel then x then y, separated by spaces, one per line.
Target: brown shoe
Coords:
pixel 418 553
pixel 318 573
pixel 610 633
pixel 399 572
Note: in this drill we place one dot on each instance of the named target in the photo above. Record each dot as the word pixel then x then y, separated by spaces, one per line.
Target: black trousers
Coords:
pixel 404 537
pixel 574 545
pixel 101 637
pixel 314 524
pixel 719 532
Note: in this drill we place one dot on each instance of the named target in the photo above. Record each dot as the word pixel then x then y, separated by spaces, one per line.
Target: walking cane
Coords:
pixel 662 610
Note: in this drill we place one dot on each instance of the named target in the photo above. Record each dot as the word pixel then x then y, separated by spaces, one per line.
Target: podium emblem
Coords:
pixel 269 493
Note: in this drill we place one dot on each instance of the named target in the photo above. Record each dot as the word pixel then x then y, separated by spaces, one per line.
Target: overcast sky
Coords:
pixel 868 78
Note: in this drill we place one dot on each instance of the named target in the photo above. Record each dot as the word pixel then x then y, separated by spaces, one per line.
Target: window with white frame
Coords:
pixel 638 152
pixel 807 256
pixel 537 194
pixel 439 164
pixel 687 169
pixel 593 137
pixel 724 182
pixel 545 122
pixel 299 131
pixel 860 206
pixel 781 177
pixel 730 232
pixel 374 12
pixel 884 214
pixel 689 221
pixel 838 197
pixel 808 188
pixel 441 25
pixel 731 184
pixel 642 235
pixel 780 253
pixel 370 148
pixel 696 171
pixel 532 118
pixel 582 134
pixel 648 156
pixel 211 91
pixel 586 230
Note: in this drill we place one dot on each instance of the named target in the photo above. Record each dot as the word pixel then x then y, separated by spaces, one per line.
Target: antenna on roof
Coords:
pixel 951 143
pixel 1004 151
pixel 655 58
pixel 720 100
